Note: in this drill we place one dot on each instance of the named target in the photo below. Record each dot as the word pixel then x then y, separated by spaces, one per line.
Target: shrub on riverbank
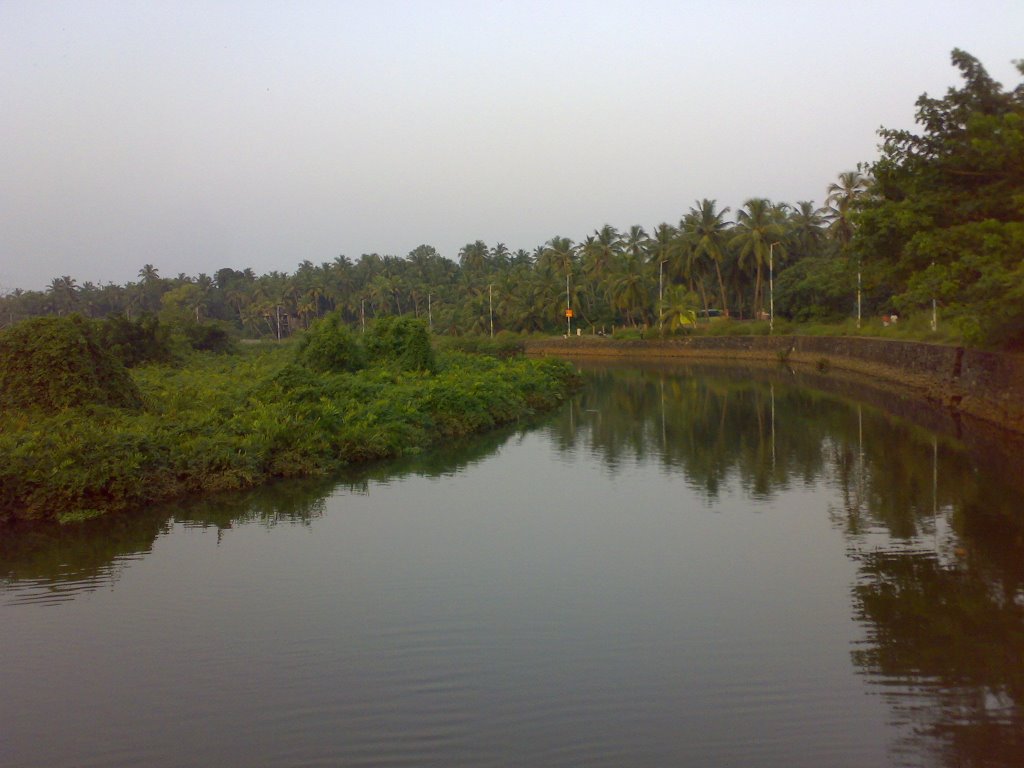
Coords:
pixel 227 422
pixel 61 362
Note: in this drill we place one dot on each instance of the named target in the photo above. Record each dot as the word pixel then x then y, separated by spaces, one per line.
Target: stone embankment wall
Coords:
pixel 986 385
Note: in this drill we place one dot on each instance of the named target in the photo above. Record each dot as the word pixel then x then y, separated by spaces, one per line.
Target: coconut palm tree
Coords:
pixel 474 257
pixel 756 229
pixel 806 229
pixel 63 294
pixel 840 201
pixel 679 308
pixel 708 232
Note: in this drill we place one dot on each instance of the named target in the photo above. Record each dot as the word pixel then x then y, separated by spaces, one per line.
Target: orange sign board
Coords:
pixel 568 313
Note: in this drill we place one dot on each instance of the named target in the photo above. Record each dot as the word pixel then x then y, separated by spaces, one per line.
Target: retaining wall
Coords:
pixel 985 385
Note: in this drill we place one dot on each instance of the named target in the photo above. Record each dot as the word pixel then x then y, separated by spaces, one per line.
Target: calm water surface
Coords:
pixel 682 567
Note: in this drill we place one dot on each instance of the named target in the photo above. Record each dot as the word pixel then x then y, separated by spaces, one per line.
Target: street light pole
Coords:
pixel 771 288
pixel 490 307
pixel 661 296
pixel 858 291
pixel 568 316
pixel 935 317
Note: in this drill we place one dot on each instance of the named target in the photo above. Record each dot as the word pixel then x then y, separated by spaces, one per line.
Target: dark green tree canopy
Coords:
pixel 944 218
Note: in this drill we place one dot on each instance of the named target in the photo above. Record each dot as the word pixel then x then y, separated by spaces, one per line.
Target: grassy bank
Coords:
pixel 234 421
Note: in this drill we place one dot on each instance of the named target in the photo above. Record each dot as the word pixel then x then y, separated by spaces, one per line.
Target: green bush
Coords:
pixel 207 337
pixel 402 340
pixel 61 362
pixel 330 346
pixel 136 342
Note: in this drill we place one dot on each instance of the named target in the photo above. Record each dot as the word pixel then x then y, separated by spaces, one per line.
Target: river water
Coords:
pixel 683 566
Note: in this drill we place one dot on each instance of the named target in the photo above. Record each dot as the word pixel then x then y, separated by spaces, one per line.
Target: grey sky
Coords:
pixel 195 136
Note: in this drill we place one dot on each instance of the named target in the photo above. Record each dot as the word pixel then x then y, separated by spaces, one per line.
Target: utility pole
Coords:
pixel 568 309
pixel 858 291
pixel 935 316
pixel 490 307
pixel 661 295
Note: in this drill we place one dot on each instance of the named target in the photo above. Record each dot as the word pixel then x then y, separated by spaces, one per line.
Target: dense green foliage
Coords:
pixel 60 362
pixel 232 421
pixel 330 346
pixel 937 216
pixel 136 342
pixel 403 341
pixel 207 337
pixel 945 217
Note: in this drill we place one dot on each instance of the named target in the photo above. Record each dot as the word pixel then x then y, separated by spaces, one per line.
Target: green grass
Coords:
pixel 912 328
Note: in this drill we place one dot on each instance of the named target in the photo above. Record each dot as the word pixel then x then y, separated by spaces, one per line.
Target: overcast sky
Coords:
pixel 195 136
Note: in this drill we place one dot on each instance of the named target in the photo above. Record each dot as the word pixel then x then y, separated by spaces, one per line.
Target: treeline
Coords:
pixel 935 224
pixel 610 278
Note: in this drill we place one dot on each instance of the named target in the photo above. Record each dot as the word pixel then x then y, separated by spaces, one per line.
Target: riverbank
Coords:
pixel 984 385
pixel 229 422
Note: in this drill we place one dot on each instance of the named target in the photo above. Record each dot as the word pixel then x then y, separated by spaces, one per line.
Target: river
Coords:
pixel 683 566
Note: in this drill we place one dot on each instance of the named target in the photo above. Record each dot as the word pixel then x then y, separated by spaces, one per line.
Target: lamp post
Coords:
pixel 568 309
pixel 490 307
pixel 935 316
pixel 858 291
pixel 661 296
pixel 771 288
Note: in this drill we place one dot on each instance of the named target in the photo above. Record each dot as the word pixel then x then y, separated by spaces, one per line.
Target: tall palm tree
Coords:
pixel 636 243
pixel 63 293
pixel 756 230
pixel 708 232
pixel 806 229
pixel 841 200
pixel 474 257
pixel 500 256
pixel 630 289
pixel 148 274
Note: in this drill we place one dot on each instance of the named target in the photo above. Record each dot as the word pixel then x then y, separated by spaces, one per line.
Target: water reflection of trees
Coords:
pixel 713 429
pixel 938 538
pixel 51 562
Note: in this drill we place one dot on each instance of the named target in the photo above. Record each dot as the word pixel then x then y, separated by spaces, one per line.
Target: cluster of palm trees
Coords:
pixel 611 278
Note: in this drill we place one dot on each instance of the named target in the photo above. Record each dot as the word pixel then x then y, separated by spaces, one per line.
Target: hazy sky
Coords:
pixel 201 135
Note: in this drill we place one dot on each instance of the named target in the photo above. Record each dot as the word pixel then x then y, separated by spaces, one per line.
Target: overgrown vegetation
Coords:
pixel 221 422
pixel 51 363
pixel 944 217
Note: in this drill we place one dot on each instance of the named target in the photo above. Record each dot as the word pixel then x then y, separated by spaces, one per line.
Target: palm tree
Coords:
pixel 630 289
pixel 148 274
pixel 636 243
pixel 679 308
pixel 474 257
pixel 756 230
pixel 64 293
pixel 841 200
pixel 806 229
pixel 500 256
pixel 707 232
pixel 600 254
